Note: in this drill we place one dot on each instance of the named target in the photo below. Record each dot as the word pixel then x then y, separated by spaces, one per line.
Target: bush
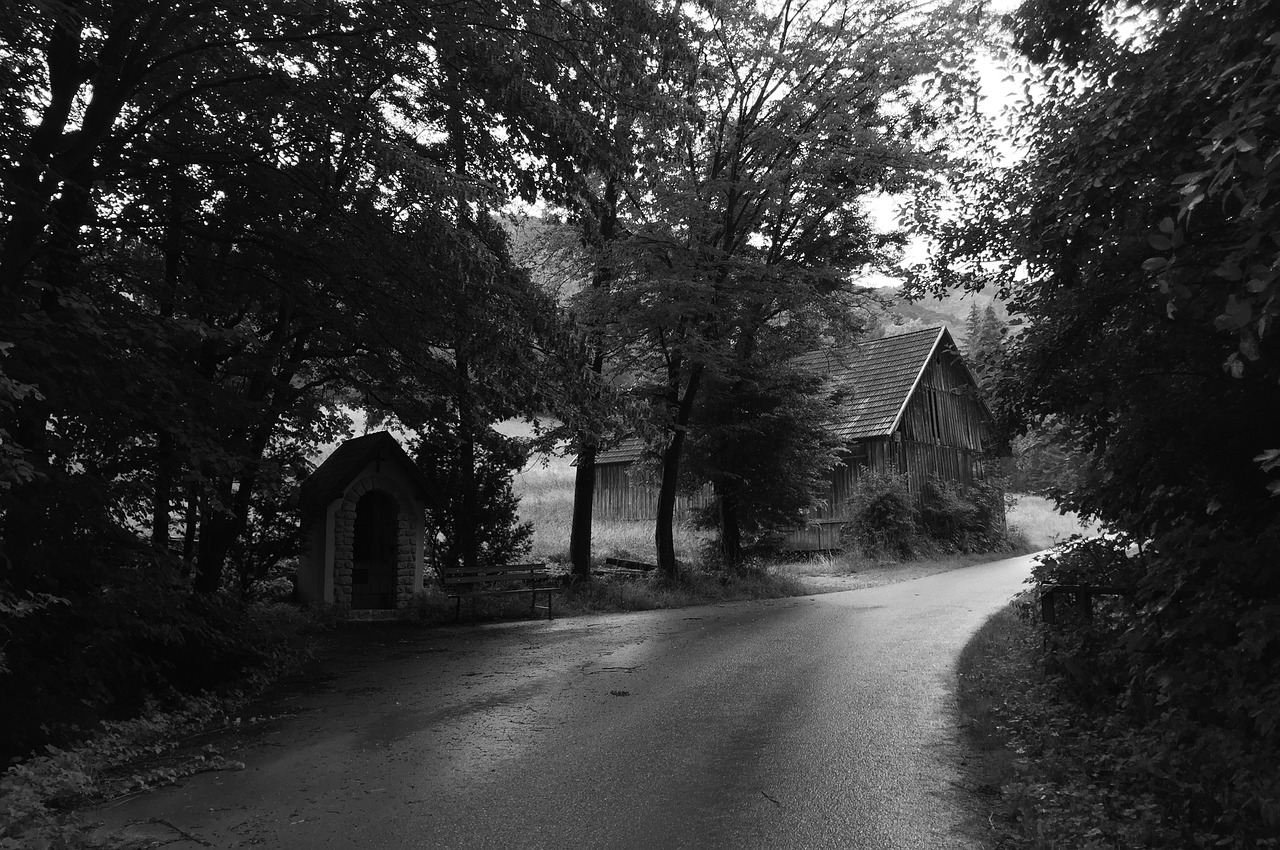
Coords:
pixel 1187 675
pixel 883 516
pixel 491 520
pixel 887 520
pixel 146 635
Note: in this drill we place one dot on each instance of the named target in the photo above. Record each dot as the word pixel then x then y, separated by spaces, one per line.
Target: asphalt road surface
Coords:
pixel 822 721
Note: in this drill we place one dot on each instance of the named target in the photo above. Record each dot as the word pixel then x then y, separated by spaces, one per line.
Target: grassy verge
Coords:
pixel 1038 522
pixel 162 745
pixel 1053 775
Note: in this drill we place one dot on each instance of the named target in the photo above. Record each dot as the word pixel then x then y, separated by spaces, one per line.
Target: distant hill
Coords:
pixel 951 310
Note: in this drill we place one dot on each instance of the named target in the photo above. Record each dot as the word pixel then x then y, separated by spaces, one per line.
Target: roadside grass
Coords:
pixel 546 500
pixel 545 489
pixel 39 795
pixel 1050 774
pixel 1041 525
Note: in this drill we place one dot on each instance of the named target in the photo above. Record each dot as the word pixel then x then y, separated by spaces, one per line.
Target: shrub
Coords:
pixel 883 515
pixel 1189 671
pixel 491 520
pixel 145 635
pixel 886 519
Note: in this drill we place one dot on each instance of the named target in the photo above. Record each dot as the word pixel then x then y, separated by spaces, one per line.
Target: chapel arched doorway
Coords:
pixel 374 551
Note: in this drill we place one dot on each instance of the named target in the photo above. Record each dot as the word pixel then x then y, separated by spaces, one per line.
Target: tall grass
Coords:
pixel 545 489
pixel 1039 522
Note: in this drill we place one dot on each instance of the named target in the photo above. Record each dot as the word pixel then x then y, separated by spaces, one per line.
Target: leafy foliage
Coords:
pixel 1135 359
pixel 221 231
pixel 763 438
pixel 487 518
pixel 1143 216
pixel 1183 675
pixel 753 224
pixel 887 518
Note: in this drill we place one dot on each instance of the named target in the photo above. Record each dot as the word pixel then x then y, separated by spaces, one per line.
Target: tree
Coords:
pixel 635 86
pixel 751 222
pixel 985 347
pixel 1144 214
pixel 1129 348
pixel 219 227
pixel 216 221
pixel 763 437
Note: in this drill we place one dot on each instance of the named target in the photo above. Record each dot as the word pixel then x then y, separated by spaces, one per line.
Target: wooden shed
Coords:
pixel 912 407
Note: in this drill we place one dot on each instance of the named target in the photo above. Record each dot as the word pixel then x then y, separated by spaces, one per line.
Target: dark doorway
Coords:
pixel 373 552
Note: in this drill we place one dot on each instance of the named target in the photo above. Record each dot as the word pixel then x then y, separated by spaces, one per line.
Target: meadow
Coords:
pixel 545 489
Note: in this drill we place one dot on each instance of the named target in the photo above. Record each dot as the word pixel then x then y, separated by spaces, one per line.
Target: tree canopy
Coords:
pixel 223 227
pixel 1135 237
pixel 1139 212
pixel 749 220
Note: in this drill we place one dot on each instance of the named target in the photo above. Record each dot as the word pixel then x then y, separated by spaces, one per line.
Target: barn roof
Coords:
pixel 331 478
pixel 878 375
pixel 630 450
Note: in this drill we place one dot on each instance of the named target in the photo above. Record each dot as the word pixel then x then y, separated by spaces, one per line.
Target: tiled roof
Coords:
pixel 332 477
pixel 878 375
pixel 629 450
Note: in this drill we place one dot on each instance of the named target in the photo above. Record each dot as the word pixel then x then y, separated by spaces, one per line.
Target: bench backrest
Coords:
pixel 482 575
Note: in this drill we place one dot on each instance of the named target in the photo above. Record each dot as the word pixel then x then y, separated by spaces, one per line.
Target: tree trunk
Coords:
pixel 465 517
pixel 216 536
pixel 163 494
pixel 190 523
pixel 730 531
pixel 584 494
pixel 664 527
pixel 584 490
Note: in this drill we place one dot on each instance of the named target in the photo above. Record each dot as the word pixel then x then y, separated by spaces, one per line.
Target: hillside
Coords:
pixel 951 310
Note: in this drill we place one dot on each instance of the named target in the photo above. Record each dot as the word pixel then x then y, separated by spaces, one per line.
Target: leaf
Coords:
pixel 1154 264
pixel 1229 270
pixel 1270 459
pixel 1160 242
pixel 1237 315
pixel 1222 130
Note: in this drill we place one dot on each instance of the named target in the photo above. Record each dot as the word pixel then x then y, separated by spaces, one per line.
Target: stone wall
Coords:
pixel 344 522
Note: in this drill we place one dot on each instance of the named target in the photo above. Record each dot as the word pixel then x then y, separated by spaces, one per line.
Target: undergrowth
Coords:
pixel 120 758
pixel 1111 732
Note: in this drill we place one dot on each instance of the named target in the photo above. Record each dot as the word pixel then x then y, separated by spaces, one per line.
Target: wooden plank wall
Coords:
pixel 620 497
pixel 944 410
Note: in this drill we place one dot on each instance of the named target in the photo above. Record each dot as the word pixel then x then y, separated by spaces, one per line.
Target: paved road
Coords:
pixel 811 722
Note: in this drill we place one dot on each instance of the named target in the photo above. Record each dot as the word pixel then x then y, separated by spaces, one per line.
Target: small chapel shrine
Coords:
pixel 363 525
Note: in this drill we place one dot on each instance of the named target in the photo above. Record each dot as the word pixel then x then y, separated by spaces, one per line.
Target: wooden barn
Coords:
pixel 912 407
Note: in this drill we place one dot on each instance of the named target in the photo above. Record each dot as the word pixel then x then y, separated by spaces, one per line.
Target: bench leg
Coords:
pixel 1048 613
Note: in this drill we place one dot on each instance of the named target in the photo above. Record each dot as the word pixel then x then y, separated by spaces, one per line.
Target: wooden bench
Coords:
pixel 624 568
pixel 1081 597
pixel 628 564
pixel 460 583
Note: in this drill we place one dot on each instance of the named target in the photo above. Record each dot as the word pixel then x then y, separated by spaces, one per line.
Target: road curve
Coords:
pixel 810 722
